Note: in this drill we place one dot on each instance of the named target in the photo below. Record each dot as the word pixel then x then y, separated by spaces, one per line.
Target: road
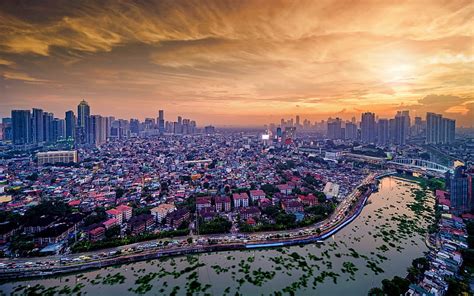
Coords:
pixel 179 245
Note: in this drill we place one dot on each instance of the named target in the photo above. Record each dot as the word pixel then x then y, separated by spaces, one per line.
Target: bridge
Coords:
pixel 420 164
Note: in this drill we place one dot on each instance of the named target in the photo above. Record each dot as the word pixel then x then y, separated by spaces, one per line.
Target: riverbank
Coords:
pixel 357 257
pixel 31 272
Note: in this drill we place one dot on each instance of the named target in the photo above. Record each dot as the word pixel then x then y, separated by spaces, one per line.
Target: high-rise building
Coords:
pixel 7 129
pixel 70 125
pixel 21 127
pixel 350 131
pixel 37 129
pixel 383 132
pixel 459 191
pixel 297 120
pixel 209 130
pixel 400 130
pixel 135 127
pixel 48 126
pixel 334 128
pixel 98 128
pixel 83 114
pixel 161 121
pixel 439 130
pixel 448 130
pixel 406 116
pixel 59 129
pixel 367 128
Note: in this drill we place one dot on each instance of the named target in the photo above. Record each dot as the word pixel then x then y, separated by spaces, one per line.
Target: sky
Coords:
pixel 239 63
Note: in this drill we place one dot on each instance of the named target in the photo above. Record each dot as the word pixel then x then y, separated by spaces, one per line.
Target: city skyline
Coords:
pixel 243 64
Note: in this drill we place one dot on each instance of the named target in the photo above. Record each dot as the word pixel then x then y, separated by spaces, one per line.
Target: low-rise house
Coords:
pixel 292 206
pixel 53 234
pixel 126 212
pixel 141 223
pixel 264 203
pixel 115 214
pixel 223 203
pixel 240 200
pixel 97 234
pixel 176 218
pixel 284 188
pixel 256 195
pixel 250 212
pixel 111 223
pixel 308 200
pixel 208 215
pixel 203 202
pixel 161 211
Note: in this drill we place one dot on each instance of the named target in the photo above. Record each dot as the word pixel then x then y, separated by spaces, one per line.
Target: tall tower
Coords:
pixel 70 125
pixel 37 128
pixel 83 114
pixel 21 127
pixel 400 129
pixel 161 121
pixel 383 132
pixel 367 127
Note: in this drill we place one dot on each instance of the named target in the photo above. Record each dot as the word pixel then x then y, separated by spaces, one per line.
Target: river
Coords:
pixel 379 244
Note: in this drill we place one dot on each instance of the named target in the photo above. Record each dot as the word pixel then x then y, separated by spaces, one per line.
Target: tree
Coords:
pixel 112 231
pixel 33 177
pixel 375 292
pixel 119 191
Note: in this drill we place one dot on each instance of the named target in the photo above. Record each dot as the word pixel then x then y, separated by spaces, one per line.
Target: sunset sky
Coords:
pixel 239 62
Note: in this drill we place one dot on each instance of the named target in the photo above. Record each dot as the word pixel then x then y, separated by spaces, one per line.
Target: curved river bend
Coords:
pixel 379 244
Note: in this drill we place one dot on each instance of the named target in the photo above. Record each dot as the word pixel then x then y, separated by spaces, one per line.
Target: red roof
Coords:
pixel 240 196
pixel 257 193
pixel 110 222
pixel 113 212
pixel 97 230
pixel 467 216
pixel 73 203
pixel 123 208
pixel 251 221
pixel 203 200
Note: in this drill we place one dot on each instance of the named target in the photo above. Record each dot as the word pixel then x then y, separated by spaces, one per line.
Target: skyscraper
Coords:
pixel 37 129
pixel 83 111
pixel 448 130
pixel 98 130
pixel 48 126
pixel 459 190
pixel 70 125
pixel 21 127
pixel 367 127
pixel 439 130
pixel 350 131
pixel 83 114
pixel 400 129
pixel 334 129
pixel 7 129
pixel 383 132
pixel 161 121
pixel 406 116
pixel 59 129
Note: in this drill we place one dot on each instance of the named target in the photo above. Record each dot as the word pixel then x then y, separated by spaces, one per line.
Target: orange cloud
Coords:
pixel 261 59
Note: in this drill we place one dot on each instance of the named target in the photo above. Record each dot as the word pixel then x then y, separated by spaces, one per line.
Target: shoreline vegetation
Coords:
pixel 420 207
pixel 314 269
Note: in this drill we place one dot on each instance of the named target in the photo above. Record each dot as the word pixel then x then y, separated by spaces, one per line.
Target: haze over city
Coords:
pixel 239 63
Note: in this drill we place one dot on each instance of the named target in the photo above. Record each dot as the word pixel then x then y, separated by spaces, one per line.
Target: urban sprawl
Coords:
pixel 91 189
